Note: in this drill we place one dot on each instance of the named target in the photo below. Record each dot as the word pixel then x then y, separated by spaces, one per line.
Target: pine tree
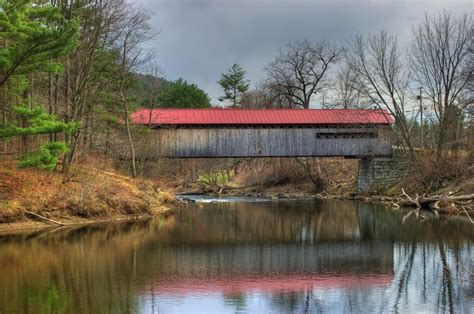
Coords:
pixel 46 158
pixel 36 121
pixel 234 84
pixel 33 33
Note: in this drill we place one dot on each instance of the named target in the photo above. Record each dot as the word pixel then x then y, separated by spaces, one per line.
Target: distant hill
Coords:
pixel 146 82
pixel 148 88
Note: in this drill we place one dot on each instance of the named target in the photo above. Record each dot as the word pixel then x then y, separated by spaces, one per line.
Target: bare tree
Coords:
pixel 467 95
pixel 151 85
pixel 380 76
pixel 343 92
pixel 255 99
pixel 468 103
pixel 301 72
pixel 74 95
pixel 131 36
pixel 264 96
pixel 439 60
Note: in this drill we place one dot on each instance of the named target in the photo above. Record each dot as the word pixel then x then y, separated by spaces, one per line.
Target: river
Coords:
pixel 245 255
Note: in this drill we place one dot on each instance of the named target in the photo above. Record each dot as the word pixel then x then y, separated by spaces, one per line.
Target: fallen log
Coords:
pixel 446 204
pixel 435 198
pixel 44 218
pixel 426 202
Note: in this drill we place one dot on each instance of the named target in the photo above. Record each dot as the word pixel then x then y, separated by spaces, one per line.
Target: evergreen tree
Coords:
pixel 181 94
pixel 234 84
pixel 35 121
pixel 32 33
pixel 46 158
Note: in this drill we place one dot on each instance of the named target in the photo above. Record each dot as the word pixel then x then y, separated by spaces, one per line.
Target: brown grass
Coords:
pixel 86 192
pixel 287 175
pixel 455 174
pixel 271 172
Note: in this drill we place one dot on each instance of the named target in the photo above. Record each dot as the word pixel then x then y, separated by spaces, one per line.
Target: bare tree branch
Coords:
pixel 301 71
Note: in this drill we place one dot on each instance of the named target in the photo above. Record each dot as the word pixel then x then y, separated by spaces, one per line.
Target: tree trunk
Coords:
pixel 129 135
pixel 306 103
pixel 50 100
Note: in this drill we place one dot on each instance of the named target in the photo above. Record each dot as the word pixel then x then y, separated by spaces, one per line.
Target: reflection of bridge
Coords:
pixel 273 268
pixel 273 284
pixel 259 247
pixel 357 258
pixel 218 133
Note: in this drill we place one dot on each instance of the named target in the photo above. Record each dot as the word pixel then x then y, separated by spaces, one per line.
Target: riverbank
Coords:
pixel 404 194
pixel 29 226
pixel 31 198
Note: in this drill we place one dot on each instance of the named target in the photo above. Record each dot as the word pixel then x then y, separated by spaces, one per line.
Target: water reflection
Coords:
pixel 244 257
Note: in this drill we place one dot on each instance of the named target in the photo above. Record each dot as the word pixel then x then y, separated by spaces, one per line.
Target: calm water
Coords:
pixel 261 257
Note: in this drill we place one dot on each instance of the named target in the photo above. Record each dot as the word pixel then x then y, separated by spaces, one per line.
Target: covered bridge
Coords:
pixel 216 133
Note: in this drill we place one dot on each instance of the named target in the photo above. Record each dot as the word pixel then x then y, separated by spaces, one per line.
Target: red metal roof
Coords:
pixel 260 116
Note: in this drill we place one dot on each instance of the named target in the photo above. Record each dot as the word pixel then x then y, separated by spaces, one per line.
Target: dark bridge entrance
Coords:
pixel 234 133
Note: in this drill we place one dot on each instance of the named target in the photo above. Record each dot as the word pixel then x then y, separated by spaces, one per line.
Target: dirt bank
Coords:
pixel 31 198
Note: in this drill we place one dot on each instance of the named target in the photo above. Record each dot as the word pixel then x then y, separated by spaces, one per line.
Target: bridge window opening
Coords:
pixel 347 135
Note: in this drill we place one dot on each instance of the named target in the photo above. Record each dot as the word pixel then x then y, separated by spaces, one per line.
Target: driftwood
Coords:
pixel 420 201
pixel 55 222
pixel 461 204
pixel 431 199
pixel 467 214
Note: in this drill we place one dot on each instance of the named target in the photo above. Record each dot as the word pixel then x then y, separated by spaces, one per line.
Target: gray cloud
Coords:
pixel 202 38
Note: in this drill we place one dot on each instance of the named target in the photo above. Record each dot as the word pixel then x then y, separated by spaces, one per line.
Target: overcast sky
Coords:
pixel 200 39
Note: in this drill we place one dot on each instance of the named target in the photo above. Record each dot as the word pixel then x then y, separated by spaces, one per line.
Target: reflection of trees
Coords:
pixel 237 301
pixel 84 270
pixel 298 302
pixel 289 301
pixel 386 225
pixel 405 276
pixel 428 274
pixel 426 278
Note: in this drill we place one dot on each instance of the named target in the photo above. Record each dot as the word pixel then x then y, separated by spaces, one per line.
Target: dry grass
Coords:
pixel 287 175
pixel 86 192
pixel 455 174
pixel 271 172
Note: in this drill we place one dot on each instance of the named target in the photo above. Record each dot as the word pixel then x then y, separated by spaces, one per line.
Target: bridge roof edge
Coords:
pixel 172 116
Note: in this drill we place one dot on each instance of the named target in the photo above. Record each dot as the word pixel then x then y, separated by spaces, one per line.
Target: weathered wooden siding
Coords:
pixel 272 142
